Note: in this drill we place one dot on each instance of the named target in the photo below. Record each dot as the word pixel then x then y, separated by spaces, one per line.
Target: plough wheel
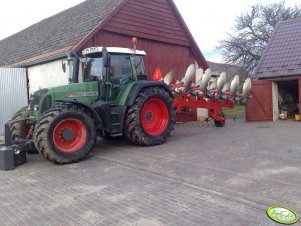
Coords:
pixel 220 123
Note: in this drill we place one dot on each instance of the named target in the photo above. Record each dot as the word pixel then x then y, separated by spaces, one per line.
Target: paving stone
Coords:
pixel 202 176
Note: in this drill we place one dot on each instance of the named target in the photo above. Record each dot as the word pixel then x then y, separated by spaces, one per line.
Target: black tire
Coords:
pixel 220 123
pixel 47 133
pixel 21 130
pixel 133 128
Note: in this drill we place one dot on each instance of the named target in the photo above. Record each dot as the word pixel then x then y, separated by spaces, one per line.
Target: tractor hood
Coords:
pixel 44 99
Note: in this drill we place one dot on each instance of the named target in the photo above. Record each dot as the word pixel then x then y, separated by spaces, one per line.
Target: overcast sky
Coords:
pixel 208 21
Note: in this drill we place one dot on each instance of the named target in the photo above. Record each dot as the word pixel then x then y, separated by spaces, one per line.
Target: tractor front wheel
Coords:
pixel 21 128
pixel 65 135
pixel 151 118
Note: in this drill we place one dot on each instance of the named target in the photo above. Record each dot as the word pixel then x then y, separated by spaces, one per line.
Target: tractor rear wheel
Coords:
pixel 65 135
pixel 21 130
pixel 151 118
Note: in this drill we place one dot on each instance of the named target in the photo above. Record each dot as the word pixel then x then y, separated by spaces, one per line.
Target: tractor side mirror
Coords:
pixel 64 66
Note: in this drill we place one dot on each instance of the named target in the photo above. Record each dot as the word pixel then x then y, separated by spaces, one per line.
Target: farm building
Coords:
pixel 157 24
pixel 276 89
pixel 231 70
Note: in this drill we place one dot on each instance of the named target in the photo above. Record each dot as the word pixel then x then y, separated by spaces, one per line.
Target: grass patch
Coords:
pixel 239 111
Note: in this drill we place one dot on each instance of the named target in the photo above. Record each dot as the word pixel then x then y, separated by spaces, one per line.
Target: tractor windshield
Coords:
pixel 93 69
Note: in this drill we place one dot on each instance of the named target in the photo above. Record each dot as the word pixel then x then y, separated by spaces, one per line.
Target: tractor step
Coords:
pixel 116 126
pixel 116 134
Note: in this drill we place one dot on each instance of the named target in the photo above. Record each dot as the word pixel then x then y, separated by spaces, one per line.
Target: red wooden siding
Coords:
pixel 154 20
pixel 165 56
pixel 260 105
pixel 160 34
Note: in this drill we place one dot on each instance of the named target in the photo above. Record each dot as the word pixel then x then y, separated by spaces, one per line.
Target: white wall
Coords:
pixel 47 75
pixel 275 101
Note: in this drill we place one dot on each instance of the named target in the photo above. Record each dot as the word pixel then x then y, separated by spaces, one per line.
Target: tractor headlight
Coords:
pixel 46 103
pixel 36 97
pixel 36 107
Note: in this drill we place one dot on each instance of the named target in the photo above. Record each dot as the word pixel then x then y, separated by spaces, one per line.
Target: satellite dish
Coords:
pixel 226 87
pixel 221 82
pixel 234 85
pixel 189 76
pixel 246 88
pixel 205 79
pixel 169 77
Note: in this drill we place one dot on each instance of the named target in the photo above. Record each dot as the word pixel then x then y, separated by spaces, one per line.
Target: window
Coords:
pixel 93 69
pixel 120 66
pixel 139 65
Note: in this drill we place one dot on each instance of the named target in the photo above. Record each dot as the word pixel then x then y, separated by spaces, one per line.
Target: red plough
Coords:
pixel 208 93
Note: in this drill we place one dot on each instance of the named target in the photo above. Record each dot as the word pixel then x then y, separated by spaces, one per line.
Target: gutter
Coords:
pixel 44 60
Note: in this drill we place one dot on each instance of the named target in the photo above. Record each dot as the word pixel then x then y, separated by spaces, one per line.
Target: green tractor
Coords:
pixel 109 96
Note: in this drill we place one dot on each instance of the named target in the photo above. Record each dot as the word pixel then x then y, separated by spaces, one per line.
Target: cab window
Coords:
pixel 93 69
pixel 140 69
pixel 120 66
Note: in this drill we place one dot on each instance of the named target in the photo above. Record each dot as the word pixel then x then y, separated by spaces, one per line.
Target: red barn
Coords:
pixel 157 24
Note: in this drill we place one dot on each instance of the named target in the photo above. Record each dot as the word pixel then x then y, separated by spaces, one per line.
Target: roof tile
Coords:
pixel 63 29
pixel 282 55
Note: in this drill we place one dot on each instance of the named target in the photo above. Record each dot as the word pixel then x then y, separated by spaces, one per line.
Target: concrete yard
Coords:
pixel 202 176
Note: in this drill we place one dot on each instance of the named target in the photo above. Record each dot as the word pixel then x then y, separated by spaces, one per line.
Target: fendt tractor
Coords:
pixel 111 97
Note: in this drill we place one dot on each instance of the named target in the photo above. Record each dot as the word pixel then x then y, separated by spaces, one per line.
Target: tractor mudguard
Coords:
pixel 97 117
pixel 136 89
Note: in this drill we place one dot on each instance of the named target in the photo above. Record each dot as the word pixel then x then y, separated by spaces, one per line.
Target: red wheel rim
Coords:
pixel 76 135
pixel 27 129
pixel 154 117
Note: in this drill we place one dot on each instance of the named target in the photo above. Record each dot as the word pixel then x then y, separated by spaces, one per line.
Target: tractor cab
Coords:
pixel 113 67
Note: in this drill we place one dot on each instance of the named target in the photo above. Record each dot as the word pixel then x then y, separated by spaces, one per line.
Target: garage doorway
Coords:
pixel 288 99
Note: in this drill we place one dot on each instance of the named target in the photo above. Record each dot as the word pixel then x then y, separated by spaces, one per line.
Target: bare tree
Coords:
pixel 252 31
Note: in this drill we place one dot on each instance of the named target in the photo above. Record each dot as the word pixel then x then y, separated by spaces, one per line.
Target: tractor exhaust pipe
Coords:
pixel 73 60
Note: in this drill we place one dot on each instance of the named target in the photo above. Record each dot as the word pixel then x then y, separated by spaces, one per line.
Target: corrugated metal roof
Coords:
pixel 282 56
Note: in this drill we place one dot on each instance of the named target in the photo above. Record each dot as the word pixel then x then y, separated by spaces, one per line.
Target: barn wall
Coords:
pixel 160 33
pixel 154 20
pixel 163 55
pixel 47 75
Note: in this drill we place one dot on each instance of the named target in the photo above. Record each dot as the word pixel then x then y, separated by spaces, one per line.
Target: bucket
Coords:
pixel 201 118
pixel 297 117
